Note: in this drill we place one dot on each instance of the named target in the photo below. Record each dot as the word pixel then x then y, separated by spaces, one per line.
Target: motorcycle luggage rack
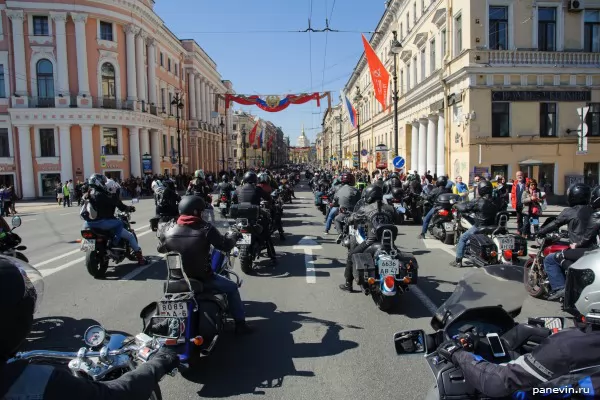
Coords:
pixel 387 241
pixel 502 224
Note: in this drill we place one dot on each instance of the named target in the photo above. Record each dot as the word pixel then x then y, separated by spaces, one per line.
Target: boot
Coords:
pixel 556 294
pixel 242 328
pixel 282 236
pixel 421 236
pixel 347 287
pixel 140 258
pixel 456 263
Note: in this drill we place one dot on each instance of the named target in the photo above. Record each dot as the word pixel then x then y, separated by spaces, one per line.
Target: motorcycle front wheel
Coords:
pixel 532 284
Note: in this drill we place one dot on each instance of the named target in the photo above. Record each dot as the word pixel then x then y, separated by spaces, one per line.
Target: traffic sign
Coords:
pixel 398 162
pixel 103 161
pixel 582 129
pixel 364 152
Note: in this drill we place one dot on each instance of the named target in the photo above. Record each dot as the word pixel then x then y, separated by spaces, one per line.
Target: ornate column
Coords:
pixel 135 161
pixel 414 146
pixel 16 16
pixel 62 73
pixel 130 31
pixel 140 42
pixel 155 150
pixel 441 145
pixel 66 158
pixel 206 113
pixel 422 146
pixel 87 145
pixel 199 113
pixel 192 94
pixel 431 143
pixel 144 141
pixel 81 44
pixel 26 162
pixel 152 98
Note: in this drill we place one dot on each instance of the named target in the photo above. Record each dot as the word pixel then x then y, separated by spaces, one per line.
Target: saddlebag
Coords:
pixel 244 210
pixel 363 266
pixel 481 246
pixel 154 224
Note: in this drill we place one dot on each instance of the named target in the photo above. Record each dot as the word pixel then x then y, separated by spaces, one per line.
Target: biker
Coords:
pixel 577 216
pixel 199 187
pixel 441 188
pixel 345 197
pixel 485 209
pixel 167 200
pixel 374 211
pixel 21 292
pixel 322 188
pixel 392 182
pixel 250 193
pixel 264 182
pixel 567 359
pixel 104 199
pixel 226 187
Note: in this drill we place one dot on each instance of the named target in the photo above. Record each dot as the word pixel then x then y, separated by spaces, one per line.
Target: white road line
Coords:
pixel 28 220
pixel 434 244
pixel 140 269
pixel 311 276
pixel 69 213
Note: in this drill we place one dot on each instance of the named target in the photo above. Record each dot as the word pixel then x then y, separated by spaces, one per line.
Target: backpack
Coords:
pixel 88 212
pixel 161 200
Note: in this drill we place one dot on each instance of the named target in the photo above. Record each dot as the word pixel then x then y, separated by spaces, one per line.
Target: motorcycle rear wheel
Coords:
pixel 536 290
pixel 245 261
pixel 385 303
pixel 94 264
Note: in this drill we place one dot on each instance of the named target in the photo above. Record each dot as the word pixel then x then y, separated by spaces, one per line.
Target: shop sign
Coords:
pixel 541 95
pixel 48 167
pixel 381 152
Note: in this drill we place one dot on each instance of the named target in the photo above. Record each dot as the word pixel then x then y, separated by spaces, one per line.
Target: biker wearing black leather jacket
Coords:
pixel 440 188
pixel 168 204
pixel 192 237
pixel 225 186
pixel 346 197
pixel 199 187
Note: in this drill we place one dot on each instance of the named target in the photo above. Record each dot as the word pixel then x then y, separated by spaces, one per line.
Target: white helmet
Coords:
pixel 112 187
pixel 582 289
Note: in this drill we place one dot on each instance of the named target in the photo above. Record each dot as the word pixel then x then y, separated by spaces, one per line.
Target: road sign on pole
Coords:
pixel 398 162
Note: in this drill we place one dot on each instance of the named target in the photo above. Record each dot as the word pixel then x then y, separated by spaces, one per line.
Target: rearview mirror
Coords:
pixel 547 322
pixel 165 327
pixel 16 221
pixel 410 342
pixel 135 201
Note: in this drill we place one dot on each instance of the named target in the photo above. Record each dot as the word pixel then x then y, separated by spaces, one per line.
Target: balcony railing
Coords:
pixel 42 102
pixel 538 58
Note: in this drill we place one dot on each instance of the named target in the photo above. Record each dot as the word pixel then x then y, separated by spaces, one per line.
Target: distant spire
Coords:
pixel 303 129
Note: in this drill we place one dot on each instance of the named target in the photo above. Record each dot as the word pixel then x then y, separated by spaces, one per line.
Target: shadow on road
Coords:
pixel 156 271
pixel 430 285
pixel 243 365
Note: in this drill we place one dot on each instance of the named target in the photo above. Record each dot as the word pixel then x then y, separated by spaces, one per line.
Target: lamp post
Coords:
pixel 178 103
pixel 222 125
pixel 339 120
pixel 357 99
pixel 244 145
pixel 395 49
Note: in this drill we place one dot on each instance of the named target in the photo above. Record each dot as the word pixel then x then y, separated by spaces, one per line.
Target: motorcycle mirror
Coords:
pixel 410 342
pixel 547 322
pixel 135 201
pixel 16 221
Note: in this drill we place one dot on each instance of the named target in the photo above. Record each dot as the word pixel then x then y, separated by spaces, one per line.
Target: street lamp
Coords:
pixel 244 145
pixel 222 125
pixel 357 99
pixel 395 49
pixel 178 103
pixel 338 118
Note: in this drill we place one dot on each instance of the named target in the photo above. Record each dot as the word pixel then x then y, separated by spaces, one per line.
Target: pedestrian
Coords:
pixel 518 188
pixel 532 199
pixel 460 188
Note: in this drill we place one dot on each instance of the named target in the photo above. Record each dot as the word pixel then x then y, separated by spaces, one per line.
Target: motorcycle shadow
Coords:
pixel 249 365
pixel 430 285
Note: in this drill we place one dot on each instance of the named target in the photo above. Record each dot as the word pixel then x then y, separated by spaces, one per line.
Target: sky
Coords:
pixel 274 61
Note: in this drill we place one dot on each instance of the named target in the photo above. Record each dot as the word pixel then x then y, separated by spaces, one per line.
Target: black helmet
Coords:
pixel 263 178
pixel 395 182
pixel 578 194
pixel 348 179
pixel 225 178
pixel 250 177
pixel 21 291
pixel 373 193
pixel 397 192
pixel 192 205
pixel 484 188
pixel 393 175
pixel 442 181
pixel 595 199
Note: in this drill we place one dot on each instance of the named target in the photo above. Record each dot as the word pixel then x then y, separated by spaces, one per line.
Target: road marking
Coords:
pixel 28 220
pixel 69 213
pixel 430 305
pixel 308 244
pixel 435 244
pixel 140 269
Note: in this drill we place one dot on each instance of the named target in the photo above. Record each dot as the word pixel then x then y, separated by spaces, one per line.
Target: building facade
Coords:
pixel 89 87
pixel 272 151
pixel 489 87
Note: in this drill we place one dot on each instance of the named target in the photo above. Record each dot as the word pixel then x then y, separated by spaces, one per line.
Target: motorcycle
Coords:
pixel 534 274
pixel 99 247
pixel 397 204
pixel 382 271
pixel 285 194
pixel 10 242
pixel 246 218
pixel 480 311
pixel 117 355
pixel 413 210
pixel 224 203
pixel 442 224
pixel 325 201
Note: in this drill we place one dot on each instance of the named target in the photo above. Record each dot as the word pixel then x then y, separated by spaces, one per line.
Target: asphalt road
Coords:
pixel 312 341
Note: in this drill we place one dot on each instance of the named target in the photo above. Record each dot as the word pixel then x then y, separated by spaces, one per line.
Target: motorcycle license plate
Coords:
pixel 88 244
pixel 401 209
pixel 325 201
pixel 507 243
pixel 223 205
pixel 246 239
pixel 389 267
pixel 448 226
pixel 177 309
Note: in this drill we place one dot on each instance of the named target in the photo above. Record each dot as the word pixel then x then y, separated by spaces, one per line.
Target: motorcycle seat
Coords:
pixel 487 230
pixel 381 228
pixel 180 286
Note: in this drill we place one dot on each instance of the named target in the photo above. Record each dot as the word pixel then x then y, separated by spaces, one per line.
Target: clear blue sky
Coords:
pixel 277 62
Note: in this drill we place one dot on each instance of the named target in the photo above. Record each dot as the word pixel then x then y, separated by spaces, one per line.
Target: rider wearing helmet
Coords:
pixel 199 187
pixel 440 188
pixel 104 199
pixel 167 199
pixel 578 216
pixel 225 186
pixel 345 197
pixel 192 237
pixel 264 183
pixel 21 292
pixel 485 209
pixel 566 359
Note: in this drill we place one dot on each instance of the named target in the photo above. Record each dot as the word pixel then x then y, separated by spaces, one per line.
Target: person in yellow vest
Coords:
pixel 67 195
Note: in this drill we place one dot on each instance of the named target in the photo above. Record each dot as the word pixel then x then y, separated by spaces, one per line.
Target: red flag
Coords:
pixel 252 138
pixel 379 75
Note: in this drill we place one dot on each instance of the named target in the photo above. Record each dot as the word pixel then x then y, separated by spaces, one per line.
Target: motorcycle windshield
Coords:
pixel 361 203
pixel 218 219
pixel 493 285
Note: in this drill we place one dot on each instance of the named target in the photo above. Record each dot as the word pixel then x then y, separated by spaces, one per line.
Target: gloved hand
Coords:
pixel 166 358
pixel 448 348
pixel 132 209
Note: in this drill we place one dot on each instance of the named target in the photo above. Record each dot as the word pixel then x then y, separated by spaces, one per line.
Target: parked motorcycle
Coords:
pixel 534 274
pixel 481 310
pixel 100 249
pixel 10 242
pixel 442 225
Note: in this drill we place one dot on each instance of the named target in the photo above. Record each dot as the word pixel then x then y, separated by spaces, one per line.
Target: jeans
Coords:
pixel 332 213
pixel 318 198
pixel 349 271
pixel 556 276
pixel 67 201
pixel 427 219
pixel 230 288
pixel 460 249
pixel 339 222
pixel 115 225
pixel 520 217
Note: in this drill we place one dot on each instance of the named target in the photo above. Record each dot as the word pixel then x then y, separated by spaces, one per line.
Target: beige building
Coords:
pixel 242 124
pixel 489 87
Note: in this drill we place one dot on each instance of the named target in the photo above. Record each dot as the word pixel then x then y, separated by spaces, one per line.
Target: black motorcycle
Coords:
pixel 441 225
pixel 413 209
pixel 251 243
pixel 10 242
pixel 224 203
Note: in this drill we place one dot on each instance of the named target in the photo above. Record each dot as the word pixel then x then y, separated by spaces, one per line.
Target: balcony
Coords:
pixel 536 58
pixel 42 102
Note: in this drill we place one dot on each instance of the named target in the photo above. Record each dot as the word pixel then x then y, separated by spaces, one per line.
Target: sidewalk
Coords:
pixel 28 206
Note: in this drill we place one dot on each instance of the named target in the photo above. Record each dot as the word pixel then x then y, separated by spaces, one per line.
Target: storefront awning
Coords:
pixel 531 162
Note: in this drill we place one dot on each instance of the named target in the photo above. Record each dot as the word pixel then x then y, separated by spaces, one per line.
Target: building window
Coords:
pixel 592 119
pixel 164 145
pixel 592 31
pixel 423 64
pixel 47 148
pixel 106 31
pixel 45 83
pixel 458 35
pixel 169 65
pixel 4 143
pixel 401 81
pixel 407 23
pixel 2 86
pixel 548 119
pixel 40 25
pixel 498 29
pixel 415 77
pixel 590 173
pixel 432 66
pixel 108 86
pixel 110 141
pixel 501 169
pixel 443 43
pixel 401 30
pixel 235 127
pixel 162 59
pixel 547 28
pixel 415 12
pixel 423 7
pixel 162 100
pixel 176 69
pixel 500 119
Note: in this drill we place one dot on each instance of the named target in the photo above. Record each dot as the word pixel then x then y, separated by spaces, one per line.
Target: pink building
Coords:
pixel 88 86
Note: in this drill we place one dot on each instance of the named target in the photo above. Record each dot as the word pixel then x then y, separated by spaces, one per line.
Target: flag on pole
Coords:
pixel 252 137
pixel 262 132
pixel 349 108
pixel 379 75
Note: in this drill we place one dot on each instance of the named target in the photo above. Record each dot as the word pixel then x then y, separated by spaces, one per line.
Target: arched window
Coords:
pixel 109 99
pixel 45 83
